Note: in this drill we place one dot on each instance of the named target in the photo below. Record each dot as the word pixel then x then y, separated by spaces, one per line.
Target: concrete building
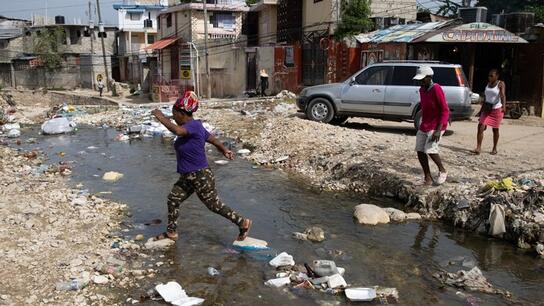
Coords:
pixel 182 24
pixel 81 53
pixel 11 47
pixel 137 22
pixel 326 14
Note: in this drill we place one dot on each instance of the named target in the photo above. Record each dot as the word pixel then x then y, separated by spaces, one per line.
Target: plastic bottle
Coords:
pixel 213 272
pixel 74 284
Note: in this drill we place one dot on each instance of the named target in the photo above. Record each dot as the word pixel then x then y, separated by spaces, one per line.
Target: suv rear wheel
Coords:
pixel 321 110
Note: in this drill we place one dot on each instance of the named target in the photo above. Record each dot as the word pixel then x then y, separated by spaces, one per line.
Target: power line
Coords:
pixel 52 7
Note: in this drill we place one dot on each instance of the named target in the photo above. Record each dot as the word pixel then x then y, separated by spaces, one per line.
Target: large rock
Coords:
pixel 395 214
pixel 315 234
pixel 370 214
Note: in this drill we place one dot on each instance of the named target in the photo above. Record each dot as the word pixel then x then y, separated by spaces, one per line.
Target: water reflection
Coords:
pixel 395 255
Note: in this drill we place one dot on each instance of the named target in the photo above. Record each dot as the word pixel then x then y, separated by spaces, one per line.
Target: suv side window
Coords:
pixel 374 76
pixel 445 76
pixel 404 76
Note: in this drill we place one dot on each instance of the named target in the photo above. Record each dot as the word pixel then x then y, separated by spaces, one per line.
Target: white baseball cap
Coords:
pixel 423 72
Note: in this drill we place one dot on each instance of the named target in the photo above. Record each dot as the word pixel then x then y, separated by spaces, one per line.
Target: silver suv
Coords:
pixel 385 91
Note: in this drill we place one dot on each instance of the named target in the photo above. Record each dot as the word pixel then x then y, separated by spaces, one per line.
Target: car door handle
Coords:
pixel 376 90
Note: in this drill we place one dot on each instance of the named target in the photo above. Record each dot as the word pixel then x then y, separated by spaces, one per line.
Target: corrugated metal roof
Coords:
pixel 404 33
pixel 10 33
pixel 161 44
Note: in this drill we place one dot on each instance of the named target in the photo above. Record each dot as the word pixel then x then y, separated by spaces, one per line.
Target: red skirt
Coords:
pixel 492 118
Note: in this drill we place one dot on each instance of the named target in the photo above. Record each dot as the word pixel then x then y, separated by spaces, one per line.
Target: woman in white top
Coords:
pixel 492 112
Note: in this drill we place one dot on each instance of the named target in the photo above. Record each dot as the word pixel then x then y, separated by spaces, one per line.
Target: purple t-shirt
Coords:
pixel 190 150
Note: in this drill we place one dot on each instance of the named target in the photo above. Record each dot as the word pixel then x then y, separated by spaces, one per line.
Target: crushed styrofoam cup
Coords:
pixel 283 259
pixel 278 282
pixel 336 281
pixel 360 294
pixel 175 295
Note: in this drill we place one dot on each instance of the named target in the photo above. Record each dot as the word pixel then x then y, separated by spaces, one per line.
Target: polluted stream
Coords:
pixel 402 256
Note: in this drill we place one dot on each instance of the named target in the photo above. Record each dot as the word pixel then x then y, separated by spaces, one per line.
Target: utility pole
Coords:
pixel 91 31
pixel 101 30
pixel 208 81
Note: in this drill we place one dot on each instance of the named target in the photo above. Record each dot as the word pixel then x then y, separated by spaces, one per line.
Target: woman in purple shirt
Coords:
pixel 192 165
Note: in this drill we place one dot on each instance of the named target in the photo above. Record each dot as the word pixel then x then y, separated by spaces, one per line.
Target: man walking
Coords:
pixel 434 121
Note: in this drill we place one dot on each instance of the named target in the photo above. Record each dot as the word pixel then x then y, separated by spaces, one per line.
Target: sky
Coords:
pixel 77 9
pixel 69 8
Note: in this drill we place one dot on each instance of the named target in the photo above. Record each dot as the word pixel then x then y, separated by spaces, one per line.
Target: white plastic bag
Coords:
pixel 57 126
pixel 496 220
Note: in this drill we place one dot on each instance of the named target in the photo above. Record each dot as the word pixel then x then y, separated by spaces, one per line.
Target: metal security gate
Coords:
pixel 251 72
pixel 314 58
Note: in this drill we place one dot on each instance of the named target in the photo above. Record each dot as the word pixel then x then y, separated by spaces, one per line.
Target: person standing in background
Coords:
pixel 434 121
pixel 492 111
pixel 100 86
pixel 264 82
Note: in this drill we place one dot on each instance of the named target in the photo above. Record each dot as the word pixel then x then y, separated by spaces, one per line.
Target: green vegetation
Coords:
pixel 47 46
pixel 355 18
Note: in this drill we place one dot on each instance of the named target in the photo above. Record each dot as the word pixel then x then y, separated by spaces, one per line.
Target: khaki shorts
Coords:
pixel 425 144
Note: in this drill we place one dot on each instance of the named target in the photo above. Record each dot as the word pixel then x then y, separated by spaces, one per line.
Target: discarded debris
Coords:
pixel 336 281
pixel 213 271
pixel 57 126
pixel 14 133
pixel 283 259
pixel 175 295
pixel 472 280
pixel 504 184
pixel 360 294
pixel 100 279
pixel 251 244
pixel 221 162
pixel 286 94
pixel 112 176
pixel 324 267
pixel 243 152
pixel 278 282
pixel 496 220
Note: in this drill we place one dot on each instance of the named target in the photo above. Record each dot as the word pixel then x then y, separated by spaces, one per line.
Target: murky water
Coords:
pixel 396 255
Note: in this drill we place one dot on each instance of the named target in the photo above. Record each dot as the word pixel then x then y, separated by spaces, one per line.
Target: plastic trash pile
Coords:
pixel 8 123
pixel 286 94
pixel 472 280
pixel 59 125
pixel 142 124
pixel 325 276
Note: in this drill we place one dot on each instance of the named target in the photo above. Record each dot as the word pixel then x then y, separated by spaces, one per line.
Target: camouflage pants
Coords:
pixel 203 183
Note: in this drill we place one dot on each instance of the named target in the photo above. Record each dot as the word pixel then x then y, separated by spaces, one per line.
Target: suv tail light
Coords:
pixel 460 77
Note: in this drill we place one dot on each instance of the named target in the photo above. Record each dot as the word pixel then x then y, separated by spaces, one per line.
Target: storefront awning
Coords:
pixel 476 32
pixel 161 44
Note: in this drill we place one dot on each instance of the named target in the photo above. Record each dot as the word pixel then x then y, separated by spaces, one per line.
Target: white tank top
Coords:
pixel 493 95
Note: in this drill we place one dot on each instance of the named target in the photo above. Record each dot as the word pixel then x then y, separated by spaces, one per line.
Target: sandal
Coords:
pixel 165 235
pixel 243 231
